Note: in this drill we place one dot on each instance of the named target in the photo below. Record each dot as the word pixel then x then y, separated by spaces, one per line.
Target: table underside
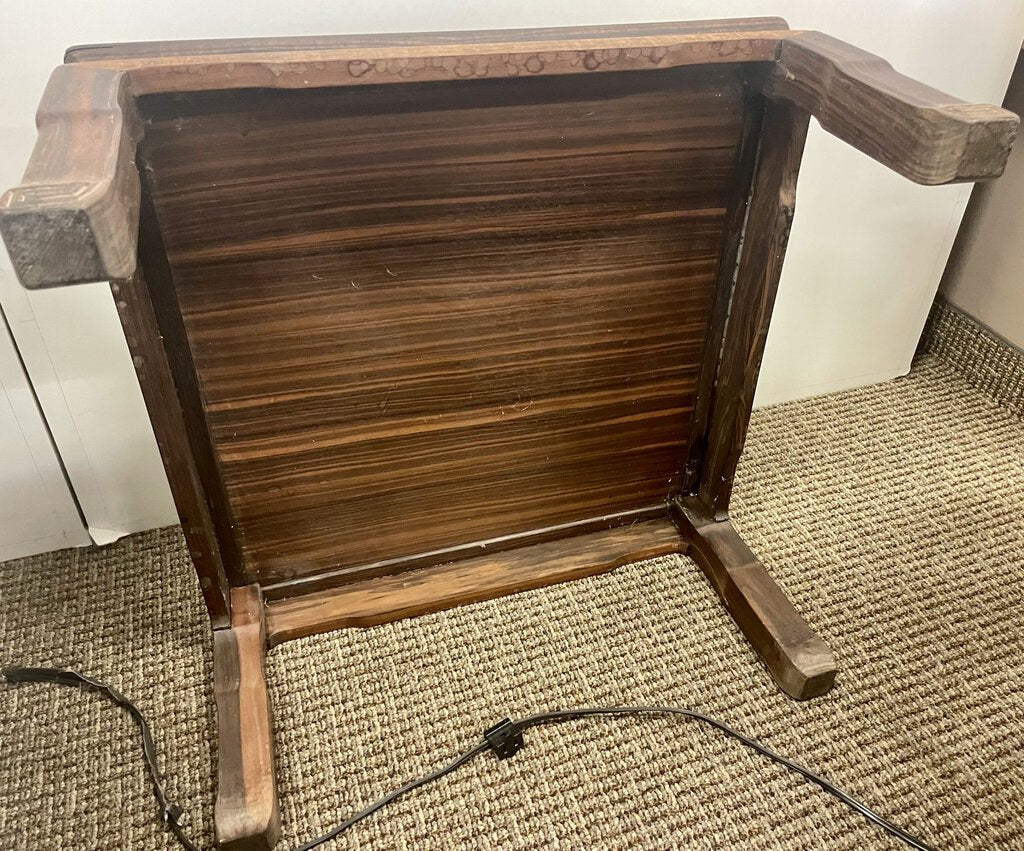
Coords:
pixel 430 319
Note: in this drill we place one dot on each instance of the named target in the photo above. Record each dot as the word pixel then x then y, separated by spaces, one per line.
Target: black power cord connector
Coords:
pixel 505 739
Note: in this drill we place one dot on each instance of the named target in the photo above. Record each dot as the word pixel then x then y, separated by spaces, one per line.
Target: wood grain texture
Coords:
pixel 246 816
pixel 798 660
pixel 411 346
pixel 468 38
pixel 324 580
pixel 201 482
pixel 493 329
pixel 493 55
pixel 739 204
pixel 765 236
pixel 75 215
pixel 471 580
pixel 142 334
pixel 925 135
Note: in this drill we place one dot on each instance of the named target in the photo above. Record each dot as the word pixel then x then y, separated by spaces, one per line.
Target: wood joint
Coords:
pixel 799 661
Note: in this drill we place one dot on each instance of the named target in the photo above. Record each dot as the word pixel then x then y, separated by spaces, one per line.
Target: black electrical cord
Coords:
pixel 505 739
pixel 169 811
pixel 436 774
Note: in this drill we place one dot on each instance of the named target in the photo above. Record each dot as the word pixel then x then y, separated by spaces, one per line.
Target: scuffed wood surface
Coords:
pixel 732 240
pixel 765 237
pixel 349 63
pixel 246 816
pixel 925 135
pixel 798 660
pixel 467 38
pixel 75 216
pixel 484 577
pixel 167 414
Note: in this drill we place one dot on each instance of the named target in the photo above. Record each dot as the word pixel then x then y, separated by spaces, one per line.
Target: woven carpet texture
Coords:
pixel 892 517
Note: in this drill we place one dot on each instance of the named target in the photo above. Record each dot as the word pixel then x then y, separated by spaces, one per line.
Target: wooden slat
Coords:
pixel 798 660
pixel 619 32
pixel 329 579
pixel 75 216
pixel 432 589
pixel 172 436
pixel 743 178
pixel 925 135
pixel 359 65
pixel 161 302
pixel 757 278
pixel 245 814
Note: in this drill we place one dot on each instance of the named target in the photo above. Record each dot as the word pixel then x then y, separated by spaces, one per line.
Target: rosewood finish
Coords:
pixel 526 271
pixel 422 320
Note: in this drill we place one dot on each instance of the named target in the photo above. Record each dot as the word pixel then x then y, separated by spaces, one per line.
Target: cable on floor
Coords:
pixel 170 812
pixel 505 739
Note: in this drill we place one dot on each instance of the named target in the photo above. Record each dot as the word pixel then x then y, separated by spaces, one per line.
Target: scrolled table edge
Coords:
pixel 927 136
pixel 75 216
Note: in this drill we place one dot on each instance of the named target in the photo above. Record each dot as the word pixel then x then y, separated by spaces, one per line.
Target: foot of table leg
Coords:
pixel 799 661
pixel 245 813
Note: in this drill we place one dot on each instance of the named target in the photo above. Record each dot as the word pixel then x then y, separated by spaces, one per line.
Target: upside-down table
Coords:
pixel 422 320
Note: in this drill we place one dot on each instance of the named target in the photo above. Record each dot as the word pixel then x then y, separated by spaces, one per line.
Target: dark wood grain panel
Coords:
pixel 492 326
pixel 471 580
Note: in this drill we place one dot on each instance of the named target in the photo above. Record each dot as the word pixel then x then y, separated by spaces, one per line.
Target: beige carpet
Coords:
pixel 892 516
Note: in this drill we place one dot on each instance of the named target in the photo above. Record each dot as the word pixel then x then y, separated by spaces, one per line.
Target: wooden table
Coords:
pixel 423 320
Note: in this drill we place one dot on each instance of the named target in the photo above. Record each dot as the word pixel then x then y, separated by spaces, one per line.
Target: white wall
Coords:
pixel 37 510
pixel 985 276
pixel 865 257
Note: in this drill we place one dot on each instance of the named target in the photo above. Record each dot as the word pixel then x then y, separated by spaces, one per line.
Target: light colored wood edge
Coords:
pixel 312 68
pixel 75 216
pixel 484 577
pixel 799 661
pixel 191 47
pixel 246 816
pixel 928 136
